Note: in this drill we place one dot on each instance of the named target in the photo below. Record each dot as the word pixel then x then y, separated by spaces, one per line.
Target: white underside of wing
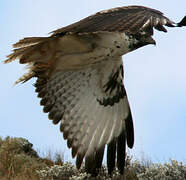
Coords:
pixel 86 123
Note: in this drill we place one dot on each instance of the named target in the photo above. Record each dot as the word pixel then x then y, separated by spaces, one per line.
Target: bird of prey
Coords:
pixel 79 78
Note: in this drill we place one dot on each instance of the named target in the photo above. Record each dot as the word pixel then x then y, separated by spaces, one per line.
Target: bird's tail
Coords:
pixel 30 51
pixel 24 49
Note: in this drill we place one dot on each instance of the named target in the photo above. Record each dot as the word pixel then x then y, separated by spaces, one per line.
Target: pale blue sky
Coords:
pixel 155 77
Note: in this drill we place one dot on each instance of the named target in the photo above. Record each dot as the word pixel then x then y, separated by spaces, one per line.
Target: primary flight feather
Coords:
pixel 79 73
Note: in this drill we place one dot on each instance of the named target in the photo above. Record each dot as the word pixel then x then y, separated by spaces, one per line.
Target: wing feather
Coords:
pixel 121 152
pixel 71 98
pixel 129 19
pixel 115 127
pixel 106 130
pixel 111 156
pixel 77 121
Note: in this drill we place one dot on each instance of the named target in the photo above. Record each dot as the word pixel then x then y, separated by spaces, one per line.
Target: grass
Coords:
pixel 19 161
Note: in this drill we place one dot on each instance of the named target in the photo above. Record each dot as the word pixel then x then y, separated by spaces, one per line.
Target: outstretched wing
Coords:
pixel 92 108
pixel 130 19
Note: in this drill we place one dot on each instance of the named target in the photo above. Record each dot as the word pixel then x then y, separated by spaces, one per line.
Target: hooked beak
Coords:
pixel 150 40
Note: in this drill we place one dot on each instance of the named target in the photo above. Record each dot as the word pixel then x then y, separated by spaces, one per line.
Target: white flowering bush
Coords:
pixel 173 170
pixel 58 172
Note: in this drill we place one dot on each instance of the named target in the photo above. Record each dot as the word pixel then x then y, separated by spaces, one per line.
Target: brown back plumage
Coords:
pixel 129 19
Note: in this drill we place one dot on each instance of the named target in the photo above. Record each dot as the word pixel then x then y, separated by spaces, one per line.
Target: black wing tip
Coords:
pixel 130 131
pixel 79 160
pixel 93 163
pixel 182 22
pixel 121 152
pixel 111 156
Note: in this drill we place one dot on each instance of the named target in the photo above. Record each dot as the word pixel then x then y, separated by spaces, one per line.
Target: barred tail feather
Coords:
pixel 24 47
pixel 28 41
pixel 29 51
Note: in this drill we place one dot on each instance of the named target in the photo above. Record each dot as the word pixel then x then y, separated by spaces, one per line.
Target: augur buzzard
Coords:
pixel 79 76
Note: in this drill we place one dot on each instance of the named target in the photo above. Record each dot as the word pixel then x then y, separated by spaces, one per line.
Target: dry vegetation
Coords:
pixel 19 161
